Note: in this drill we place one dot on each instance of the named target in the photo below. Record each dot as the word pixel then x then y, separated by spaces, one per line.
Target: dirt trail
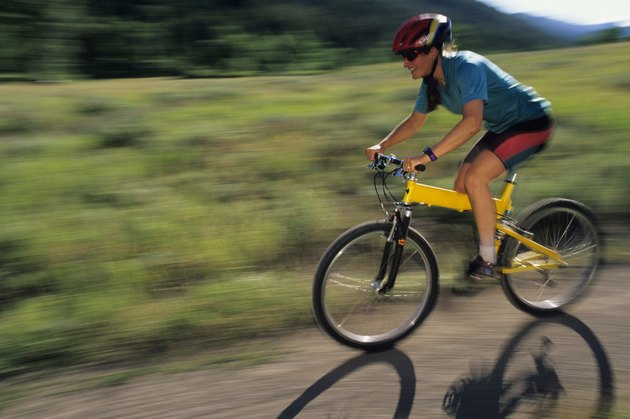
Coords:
pixel 482 339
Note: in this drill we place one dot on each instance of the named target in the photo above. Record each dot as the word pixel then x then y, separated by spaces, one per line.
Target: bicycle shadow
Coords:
pixel 394 357
pixel 491 395
pixel 488 395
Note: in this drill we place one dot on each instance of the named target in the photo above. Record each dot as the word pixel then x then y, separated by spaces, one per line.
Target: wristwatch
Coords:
pixel 430 153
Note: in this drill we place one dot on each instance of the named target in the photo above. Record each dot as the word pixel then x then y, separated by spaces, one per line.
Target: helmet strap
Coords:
pixel 435 62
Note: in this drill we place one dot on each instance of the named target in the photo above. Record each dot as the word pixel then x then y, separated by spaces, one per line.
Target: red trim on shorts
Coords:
pixel 521 142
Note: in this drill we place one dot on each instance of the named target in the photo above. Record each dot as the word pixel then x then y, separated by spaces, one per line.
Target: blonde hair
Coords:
pixel 449 46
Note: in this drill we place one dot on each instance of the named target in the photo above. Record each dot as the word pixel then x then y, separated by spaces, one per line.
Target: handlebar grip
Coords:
pixel 420 167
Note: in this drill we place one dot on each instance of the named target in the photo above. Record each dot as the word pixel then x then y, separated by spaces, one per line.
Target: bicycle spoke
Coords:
pixel 355 308
pixel 567 230
pixel 352 308
pixel 342 284
pixel 408 258
pixel 579 250
pixel 543 287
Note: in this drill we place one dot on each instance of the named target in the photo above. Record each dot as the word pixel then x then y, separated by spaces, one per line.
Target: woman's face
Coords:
pixel 420 66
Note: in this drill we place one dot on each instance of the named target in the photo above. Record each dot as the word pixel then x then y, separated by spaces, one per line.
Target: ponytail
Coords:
pixel 433 96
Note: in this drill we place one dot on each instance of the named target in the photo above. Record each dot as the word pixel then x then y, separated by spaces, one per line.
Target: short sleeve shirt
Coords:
pixel 470 76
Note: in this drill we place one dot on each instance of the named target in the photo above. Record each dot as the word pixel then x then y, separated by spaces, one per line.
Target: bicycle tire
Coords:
pixel 569 228
pixel 350 310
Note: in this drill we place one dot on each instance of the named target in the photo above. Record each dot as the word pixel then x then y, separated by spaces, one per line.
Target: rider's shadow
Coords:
pixel 493 393
pixel 536 388
pixel 395 358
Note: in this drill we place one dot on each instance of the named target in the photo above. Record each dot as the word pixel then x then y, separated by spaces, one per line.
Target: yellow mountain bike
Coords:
pixel 379 280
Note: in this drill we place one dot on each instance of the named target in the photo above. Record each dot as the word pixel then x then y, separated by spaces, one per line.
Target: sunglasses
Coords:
pixel 410 54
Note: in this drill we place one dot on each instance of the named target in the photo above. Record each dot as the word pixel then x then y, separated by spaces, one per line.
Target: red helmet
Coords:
pixel 423 32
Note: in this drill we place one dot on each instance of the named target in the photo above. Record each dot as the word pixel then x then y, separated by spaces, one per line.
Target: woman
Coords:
pixel 518 121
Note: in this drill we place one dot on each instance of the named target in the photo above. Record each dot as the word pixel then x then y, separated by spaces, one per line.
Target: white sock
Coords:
pixel 488 254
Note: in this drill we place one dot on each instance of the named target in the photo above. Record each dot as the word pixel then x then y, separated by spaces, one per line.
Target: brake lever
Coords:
pixel 378 164
pixel 399 172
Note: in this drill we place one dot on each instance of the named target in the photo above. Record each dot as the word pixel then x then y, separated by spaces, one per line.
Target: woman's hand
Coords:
pixel 410 163
pixel 370 152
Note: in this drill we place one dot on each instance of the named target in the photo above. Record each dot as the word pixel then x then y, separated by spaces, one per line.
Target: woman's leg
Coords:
pixel 474 179
pixel 486 161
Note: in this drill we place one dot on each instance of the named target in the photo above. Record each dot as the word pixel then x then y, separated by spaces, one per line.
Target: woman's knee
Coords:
pixel 459 185
pixel 470 182
pixel 481 173
pixel 474 181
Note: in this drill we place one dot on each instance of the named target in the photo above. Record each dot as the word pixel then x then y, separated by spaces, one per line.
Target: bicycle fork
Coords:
pixel 396 241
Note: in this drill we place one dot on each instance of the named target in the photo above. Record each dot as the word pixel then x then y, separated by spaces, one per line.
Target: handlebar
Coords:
pixel 381 161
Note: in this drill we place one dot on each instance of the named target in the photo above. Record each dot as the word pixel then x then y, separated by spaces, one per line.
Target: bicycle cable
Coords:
pixel 387 194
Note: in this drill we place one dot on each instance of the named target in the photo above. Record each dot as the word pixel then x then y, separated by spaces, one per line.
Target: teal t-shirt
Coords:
pixel 471 76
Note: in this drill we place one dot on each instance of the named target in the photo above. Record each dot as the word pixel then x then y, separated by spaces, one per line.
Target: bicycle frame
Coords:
pixel 379 280
pixel 540 257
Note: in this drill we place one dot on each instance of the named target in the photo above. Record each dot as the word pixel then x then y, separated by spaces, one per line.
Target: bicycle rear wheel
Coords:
pixel 348 306
pixel 567 227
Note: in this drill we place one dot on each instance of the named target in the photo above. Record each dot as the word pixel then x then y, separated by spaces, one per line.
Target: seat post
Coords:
pixel 511 177
pixel 504 204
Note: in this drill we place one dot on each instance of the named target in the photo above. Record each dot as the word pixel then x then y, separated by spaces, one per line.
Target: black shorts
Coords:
pixel 516 144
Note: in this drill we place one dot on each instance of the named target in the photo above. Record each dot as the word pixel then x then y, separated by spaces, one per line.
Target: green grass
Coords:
pixel 146 217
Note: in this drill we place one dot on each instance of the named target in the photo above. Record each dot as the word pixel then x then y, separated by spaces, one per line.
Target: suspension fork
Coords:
pixel 395 241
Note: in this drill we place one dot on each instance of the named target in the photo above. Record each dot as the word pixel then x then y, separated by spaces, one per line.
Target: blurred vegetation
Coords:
pixel 144 217
pixel 61 39
pixel 614 34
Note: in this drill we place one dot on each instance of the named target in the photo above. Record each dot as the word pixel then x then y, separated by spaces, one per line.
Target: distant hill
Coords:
pixel 568 31
pixel 134 38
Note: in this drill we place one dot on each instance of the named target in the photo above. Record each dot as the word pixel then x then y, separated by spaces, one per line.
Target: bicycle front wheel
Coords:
pixel 348 305
pixel 567 227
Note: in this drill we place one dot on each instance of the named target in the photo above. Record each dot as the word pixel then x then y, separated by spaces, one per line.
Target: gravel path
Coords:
pixel 583 359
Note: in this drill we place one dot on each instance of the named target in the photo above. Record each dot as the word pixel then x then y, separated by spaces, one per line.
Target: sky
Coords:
pixel 571 11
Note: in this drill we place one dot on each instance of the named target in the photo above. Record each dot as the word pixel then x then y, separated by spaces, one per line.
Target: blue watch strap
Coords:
pixel 430 153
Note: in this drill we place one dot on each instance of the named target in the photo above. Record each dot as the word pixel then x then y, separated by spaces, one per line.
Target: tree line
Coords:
pixel 133 38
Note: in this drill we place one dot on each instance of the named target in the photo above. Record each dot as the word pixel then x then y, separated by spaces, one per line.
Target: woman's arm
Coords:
pixel 403 131
pixel 464 130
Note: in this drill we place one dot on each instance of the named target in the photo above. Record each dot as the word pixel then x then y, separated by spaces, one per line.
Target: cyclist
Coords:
pixel 518 121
